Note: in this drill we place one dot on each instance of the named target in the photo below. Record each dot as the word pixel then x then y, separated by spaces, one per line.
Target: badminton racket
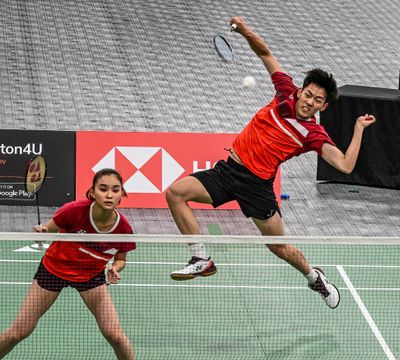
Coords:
pixel 223 47
pixel 35 176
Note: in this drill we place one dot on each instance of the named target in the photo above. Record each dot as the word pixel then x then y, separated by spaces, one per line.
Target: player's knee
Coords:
pixel 173 196
pixel 115 338
pixel 170 196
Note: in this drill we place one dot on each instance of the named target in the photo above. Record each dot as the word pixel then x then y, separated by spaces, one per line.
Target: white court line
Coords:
pixel 19 261
pixel 249 287
pixel 366 314
pixel 266 265
pixel 190 286
pixel 229 264
pixel 15 283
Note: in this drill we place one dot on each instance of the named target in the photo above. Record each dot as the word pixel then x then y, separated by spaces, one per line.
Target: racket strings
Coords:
pixel 223 48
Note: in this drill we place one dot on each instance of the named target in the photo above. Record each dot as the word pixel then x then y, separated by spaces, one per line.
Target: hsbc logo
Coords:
pixel 144 169
pixel 149 162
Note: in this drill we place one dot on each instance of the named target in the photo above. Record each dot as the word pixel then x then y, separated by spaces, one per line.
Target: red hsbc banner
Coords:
pixel 149 162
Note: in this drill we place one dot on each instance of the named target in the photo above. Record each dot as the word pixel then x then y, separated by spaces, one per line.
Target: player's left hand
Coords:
pixel 40 229
pixel 365 121
pixel 113 275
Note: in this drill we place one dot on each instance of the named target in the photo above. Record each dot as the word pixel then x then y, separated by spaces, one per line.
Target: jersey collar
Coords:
pixel 94 224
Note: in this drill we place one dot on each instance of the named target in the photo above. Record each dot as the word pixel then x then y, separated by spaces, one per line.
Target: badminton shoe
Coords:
pixel 328 291
pixel 195 267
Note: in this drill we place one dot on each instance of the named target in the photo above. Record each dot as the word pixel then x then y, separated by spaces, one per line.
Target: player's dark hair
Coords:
pixel 101 173
pixel 324 80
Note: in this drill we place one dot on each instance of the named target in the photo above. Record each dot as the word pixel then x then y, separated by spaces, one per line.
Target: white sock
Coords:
pixel 199 251
pixel 312 276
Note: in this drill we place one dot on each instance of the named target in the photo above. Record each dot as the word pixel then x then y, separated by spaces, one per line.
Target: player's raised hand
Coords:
pixel 238 24
pixel 365 121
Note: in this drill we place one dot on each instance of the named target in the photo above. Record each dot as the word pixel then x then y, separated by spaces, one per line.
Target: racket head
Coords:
pixel 223 48
pixel 35 174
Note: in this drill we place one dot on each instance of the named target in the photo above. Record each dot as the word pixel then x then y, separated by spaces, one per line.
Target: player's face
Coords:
pixel 107 192
pixel 310 100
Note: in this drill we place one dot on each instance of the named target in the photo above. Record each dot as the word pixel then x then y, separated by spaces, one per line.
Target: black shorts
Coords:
pixel 229 180
pixel 50 282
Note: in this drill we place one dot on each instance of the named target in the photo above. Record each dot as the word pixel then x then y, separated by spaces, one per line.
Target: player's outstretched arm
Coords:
pixel 257 44
pixel 346 162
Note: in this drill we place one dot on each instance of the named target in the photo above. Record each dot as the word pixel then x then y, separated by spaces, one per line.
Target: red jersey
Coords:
pixel 74 261
pixel 275 134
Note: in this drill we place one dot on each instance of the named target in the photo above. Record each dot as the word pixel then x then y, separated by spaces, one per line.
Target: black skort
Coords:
pixel 50 282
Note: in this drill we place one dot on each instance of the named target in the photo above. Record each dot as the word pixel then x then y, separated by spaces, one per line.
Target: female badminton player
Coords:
pixel 80 265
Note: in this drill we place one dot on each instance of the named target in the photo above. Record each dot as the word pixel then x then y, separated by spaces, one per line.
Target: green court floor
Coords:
pixel 255 307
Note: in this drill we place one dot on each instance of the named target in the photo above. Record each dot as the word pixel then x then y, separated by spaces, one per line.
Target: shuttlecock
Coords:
pixel 249 82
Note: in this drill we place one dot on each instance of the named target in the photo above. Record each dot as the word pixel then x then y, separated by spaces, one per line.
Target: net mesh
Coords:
pixel 255 307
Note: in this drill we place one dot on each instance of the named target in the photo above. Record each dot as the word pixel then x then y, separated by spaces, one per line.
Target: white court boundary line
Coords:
pixel 192 286
pixel 199 286
pixel 228 264
pixel 365 313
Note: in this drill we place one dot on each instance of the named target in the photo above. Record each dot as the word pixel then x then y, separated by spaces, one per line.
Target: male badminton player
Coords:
pixel 285 128
pixel 80 265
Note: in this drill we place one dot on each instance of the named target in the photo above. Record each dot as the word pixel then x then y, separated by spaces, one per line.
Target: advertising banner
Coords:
pixel 149 162
pixel 18 147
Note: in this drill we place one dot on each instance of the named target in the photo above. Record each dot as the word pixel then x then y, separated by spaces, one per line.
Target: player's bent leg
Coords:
pixel 36 303
pixel 274 227
pixel 178 195
pixel 99 302
pixel 317 280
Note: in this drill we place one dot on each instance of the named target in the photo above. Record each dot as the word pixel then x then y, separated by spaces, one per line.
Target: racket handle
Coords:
pixel 233 27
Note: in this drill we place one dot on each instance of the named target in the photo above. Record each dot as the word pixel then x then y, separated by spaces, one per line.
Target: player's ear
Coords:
pixel 324 106
pixel 91 194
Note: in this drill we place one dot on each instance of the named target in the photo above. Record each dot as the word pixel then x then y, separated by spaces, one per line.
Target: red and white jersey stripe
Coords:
pixel 275 134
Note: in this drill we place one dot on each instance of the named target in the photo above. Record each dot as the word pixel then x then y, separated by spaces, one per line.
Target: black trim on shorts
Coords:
pixel 51 282
pixel 229 180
